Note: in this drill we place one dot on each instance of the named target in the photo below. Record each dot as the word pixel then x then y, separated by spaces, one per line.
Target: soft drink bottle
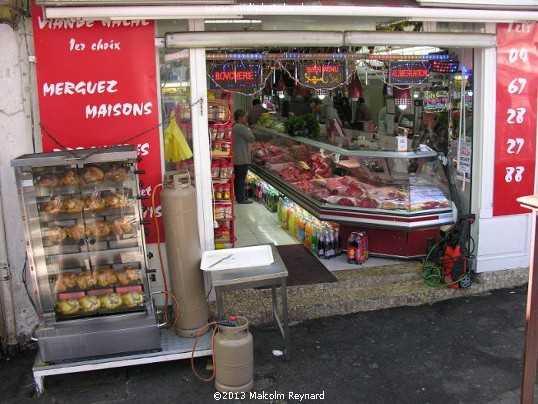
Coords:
pixel 330 244
pixel 314 240
pixel 308 234
pixel 301 231
pixel 321 243
pixel 291 220
pixel 338 246
pixel 284 217
pixel 352 247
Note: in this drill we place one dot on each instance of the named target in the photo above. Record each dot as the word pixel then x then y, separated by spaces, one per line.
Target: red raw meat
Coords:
pixel 354 190
pixel 281 158
pixel 334 182
pixel 274 150
pixel 340 190
pixel 259 156
pixel 367 203
pixel 345 202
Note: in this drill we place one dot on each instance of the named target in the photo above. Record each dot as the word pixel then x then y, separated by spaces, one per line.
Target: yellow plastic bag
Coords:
pixel 176 147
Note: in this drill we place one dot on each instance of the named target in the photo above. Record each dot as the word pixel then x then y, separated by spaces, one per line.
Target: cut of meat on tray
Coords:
pixel 391 198
pixel 424 198
pixel 341 186
pixel 345 190
pixel 342 200
pixel 364 202
pixel 334 182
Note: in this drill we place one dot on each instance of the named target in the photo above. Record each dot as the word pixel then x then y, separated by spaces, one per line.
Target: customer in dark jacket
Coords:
pixel 432 134
pixel 256 111
pixel 242 136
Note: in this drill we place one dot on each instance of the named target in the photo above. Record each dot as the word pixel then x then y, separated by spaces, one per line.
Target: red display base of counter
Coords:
pixel 394 243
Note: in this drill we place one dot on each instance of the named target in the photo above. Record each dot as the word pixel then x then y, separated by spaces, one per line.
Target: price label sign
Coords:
pixel 515 126
pixel 436 100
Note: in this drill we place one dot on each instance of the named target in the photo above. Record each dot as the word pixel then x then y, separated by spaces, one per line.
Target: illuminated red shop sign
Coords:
pixel 321 74
pixel 231 76
pixel 408 72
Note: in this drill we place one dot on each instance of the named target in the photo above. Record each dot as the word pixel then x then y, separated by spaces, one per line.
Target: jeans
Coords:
pixel 240 175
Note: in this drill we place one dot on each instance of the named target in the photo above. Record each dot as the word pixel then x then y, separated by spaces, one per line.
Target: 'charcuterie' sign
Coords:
pixel 97 87
pixel 321 74
pixel 234 76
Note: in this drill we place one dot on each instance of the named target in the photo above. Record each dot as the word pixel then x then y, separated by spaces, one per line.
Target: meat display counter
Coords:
pixel 86 252
pixel 392 193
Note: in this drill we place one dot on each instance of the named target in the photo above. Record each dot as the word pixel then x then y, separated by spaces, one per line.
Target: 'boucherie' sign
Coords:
pixel 232 76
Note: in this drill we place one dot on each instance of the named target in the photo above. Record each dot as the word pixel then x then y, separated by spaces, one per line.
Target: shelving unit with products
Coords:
pixel 86 252
pixel 220 135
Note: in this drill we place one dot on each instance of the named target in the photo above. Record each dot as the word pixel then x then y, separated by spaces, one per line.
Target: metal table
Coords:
pixel 173 348
pixel 273 275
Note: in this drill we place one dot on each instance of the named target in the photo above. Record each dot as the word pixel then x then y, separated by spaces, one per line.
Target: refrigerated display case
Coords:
pixel 86 252
pixel 392 193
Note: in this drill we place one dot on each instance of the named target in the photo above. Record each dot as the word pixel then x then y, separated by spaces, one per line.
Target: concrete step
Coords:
pixel 361 289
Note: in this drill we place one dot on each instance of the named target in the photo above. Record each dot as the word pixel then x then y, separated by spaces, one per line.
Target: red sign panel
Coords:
pixel 515 127
pixel 97 87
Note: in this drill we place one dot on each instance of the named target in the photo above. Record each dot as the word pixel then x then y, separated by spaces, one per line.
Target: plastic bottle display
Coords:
pixel 322 238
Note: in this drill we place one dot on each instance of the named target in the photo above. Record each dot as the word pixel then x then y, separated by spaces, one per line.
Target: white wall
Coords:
pixel 15 139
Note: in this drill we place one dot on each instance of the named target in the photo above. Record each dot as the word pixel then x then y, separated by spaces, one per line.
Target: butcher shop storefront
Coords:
pixel 161 81
pixel 438 61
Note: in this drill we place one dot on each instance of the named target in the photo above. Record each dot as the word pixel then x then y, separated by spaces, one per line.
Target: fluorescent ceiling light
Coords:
pixel 128 2
pixel 176 84
pixel 233 21
pixel 252 39
pixel 412 50
pixel 489 4
pixel 136 13
pixel 413 39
